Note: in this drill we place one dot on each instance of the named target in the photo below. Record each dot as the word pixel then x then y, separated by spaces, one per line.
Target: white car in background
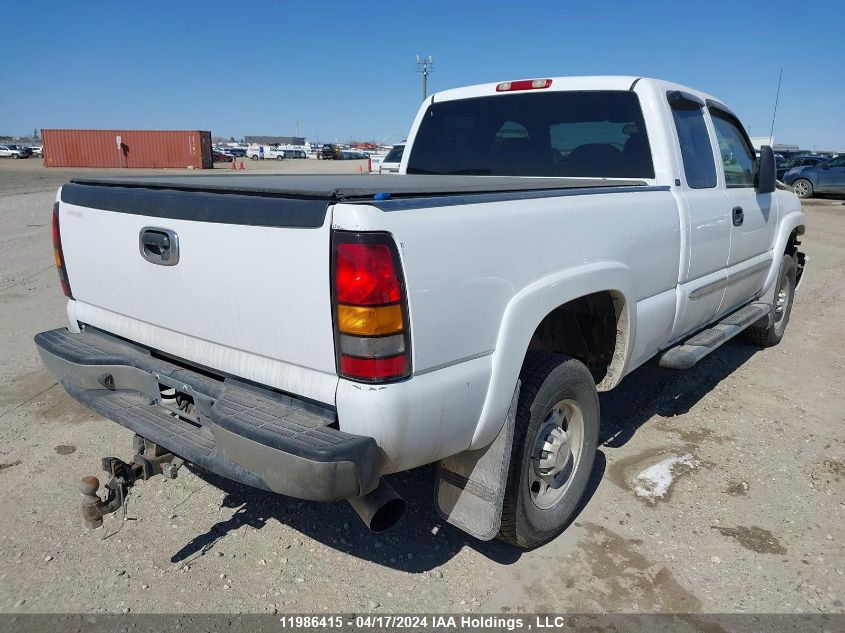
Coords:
pixel 14 151
pixel 390 164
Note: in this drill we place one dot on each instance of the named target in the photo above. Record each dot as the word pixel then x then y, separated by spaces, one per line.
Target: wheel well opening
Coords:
pixel 591 329
pixel 794 241
pixel 792 245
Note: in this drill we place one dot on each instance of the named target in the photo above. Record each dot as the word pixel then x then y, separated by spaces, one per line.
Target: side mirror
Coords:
pixel 767 171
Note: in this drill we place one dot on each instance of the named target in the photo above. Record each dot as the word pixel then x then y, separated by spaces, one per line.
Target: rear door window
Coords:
pixel 595 134
pixel 696 150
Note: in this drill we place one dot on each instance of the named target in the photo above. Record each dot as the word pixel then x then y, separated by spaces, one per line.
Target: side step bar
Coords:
pixel 694 349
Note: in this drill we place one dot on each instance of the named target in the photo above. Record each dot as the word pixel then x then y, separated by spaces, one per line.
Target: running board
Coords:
pixel 694 349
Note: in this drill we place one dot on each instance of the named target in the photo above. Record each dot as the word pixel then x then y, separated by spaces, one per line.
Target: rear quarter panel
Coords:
pixel 467 263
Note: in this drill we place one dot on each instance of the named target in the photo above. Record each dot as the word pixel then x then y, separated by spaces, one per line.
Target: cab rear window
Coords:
pixel 595 134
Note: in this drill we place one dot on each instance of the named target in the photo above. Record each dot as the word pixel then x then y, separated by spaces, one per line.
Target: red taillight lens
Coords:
pixel 58 255
pixel 372 342
pixel 366 275
pixel 373 368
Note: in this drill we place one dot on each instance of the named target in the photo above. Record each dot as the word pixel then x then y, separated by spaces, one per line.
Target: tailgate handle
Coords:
pixel 159 246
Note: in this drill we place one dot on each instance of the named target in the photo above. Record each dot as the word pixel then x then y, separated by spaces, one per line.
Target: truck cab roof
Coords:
pixel 560 84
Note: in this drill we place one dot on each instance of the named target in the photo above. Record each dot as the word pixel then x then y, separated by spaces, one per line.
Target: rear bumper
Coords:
pixel 239 431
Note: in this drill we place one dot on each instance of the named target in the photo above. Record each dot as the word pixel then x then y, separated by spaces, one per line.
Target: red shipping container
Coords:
pixel 127 148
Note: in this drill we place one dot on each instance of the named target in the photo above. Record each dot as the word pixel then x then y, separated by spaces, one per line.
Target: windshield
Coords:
pixel 587 134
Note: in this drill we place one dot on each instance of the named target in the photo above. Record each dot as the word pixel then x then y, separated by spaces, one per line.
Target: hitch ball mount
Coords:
pixel 150 459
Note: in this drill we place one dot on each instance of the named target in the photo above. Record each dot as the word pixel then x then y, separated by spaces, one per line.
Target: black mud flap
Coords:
pixel 470 486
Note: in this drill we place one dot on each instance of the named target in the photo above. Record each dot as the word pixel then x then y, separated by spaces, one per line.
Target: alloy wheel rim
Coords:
pixel 555 453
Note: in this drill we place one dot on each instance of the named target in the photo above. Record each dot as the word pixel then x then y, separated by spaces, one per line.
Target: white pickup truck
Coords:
pixel 310 334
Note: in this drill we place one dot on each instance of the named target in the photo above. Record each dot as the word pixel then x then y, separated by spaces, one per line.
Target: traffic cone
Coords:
pixel 233 165
pixel 242 165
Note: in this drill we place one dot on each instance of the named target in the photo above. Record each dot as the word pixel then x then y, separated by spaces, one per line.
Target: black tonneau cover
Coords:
pixel 354 187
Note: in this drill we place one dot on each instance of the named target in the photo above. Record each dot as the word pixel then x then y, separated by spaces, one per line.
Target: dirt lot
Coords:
pixel 753 521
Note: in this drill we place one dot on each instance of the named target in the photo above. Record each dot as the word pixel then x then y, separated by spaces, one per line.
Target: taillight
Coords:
pixel 372 339
pixel 58 255
pixel 523 84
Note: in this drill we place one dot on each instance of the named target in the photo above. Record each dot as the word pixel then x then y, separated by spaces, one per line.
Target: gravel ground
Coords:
pixel 747 449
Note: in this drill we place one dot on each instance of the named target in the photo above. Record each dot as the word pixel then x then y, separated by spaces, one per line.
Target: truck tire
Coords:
pixel 280 157
pixel 770 335
pixel 555 438
pixel 803 188
pixel 254 157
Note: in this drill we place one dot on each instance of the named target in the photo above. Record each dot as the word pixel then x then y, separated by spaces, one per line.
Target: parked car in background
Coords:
pixel 237 152
pixel 802 160
pixel 827 176
pixel 353 154
pixel 14 151
pixel 219 156
pixel 391 162
pixel 37 150
pixel 330 152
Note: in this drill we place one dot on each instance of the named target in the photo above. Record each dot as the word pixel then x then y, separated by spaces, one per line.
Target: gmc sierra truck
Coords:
pixel 309 335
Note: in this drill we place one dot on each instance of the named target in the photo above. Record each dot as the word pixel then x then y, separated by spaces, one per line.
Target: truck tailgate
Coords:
pixel 249 295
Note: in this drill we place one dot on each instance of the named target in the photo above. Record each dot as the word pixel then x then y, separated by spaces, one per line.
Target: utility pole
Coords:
pixel 424 65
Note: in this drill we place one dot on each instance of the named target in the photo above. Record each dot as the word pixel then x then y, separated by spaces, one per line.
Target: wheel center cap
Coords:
pixel 555 454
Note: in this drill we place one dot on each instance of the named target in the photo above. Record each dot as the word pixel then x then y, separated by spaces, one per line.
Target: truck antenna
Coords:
pixel 775 113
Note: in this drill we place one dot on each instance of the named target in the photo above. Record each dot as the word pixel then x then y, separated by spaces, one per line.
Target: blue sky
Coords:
pixel 346 70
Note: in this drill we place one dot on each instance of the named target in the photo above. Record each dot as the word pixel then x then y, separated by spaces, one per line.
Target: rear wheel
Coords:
pixel 555 438
pixel 803 188
pixel 280 157
pixel 770 335
pixel 254 157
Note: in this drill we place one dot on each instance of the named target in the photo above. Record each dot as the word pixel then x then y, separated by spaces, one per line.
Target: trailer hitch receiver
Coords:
pixel 150 459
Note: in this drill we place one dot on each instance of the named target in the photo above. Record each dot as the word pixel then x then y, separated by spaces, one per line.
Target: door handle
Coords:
pixel 159 246
pixel 738 216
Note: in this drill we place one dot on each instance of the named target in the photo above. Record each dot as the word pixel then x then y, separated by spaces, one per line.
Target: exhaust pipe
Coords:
pixel 379 509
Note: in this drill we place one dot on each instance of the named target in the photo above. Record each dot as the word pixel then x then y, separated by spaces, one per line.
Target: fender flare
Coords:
pixel 790 222
pixel 524 313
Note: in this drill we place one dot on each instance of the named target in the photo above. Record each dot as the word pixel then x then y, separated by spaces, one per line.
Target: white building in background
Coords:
pixel 759 141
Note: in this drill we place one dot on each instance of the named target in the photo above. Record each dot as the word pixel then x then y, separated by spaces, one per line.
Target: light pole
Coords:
pixel 424 65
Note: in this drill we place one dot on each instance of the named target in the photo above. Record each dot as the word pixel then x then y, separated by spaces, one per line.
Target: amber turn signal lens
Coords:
pixel 369 321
